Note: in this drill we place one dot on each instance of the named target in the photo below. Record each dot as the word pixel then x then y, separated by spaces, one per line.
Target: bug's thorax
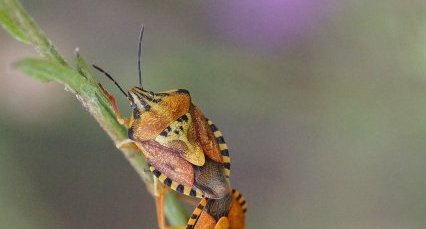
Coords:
pixel 153 112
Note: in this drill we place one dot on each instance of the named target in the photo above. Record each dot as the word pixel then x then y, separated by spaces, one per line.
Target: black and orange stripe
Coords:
pixel 196 214
pixel 174 185
pixel 222 147
pixel 240 199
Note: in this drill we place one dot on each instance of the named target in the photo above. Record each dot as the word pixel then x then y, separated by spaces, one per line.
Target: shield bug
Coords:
pixel 185 151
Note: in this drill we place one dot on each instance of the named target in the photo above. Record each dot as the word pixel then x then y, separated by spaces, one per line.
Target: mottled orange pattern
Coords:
pixel 155 120
pixel 205 221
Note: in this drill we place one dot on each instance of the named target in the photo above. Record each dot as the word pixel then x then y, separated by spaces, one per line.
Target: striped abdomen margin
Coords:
pixel 196 214
pixel 240 199
pixel 174 185
pixel 223 148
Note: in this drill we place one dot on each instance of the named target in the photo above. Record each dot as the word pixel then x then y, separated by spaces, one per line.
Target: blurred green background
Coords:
pixel 322 103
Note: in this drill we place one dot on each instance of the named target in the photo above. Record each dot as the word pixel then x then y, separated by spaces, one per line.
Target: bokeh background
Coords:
pixel 322 103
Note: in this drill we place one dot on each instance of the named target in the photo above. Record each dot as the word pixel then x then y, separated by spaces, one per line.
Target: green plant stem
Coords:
pixel 15 19
pixel 34 34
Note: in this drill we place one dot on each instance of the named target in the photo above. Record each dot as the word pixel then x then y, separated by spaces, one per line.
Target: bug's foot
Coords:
pixel 128 143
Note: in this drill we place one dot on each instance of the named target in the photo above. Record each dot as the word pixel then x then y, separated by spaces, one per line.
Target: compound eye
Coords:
pixel 136 113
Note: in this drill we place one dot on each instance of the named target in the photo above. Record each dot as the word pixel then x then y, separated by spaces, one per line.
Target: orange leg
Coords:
pixel 160 196
pixel 120 119
pixel 160 192
pixel 123 121
pixel 159 203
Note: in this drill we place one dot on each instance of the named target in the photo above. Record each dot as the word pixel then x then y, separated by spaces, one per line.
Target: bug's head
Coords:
pixel 143 100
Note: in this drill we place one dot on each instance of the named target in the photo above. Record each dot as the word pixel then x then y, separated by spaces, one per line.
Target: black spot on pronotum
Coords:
pixel 176 131
pixel 163 133
pixel 184 118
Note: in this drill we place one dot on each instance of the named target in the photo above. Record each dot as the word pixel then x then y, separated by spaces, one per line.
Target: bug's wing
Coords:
pixel 211 140
pixel 170 168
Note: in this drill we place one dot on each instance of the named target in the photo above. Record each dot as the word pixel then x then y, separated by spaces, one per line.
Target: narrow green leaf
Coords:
pixel 45 70
pixel 174 208
pixel 21 25
pixel 9 25
pixel 83 68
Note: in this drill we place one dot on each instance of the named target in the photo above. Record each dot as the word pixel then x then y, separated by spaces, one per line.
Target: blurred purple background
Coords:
pixel 267 24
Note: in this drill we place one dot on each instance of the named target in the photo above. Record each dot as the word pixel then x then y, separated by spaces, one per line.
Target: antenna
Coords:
pixel 110 77
pixel 140 56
